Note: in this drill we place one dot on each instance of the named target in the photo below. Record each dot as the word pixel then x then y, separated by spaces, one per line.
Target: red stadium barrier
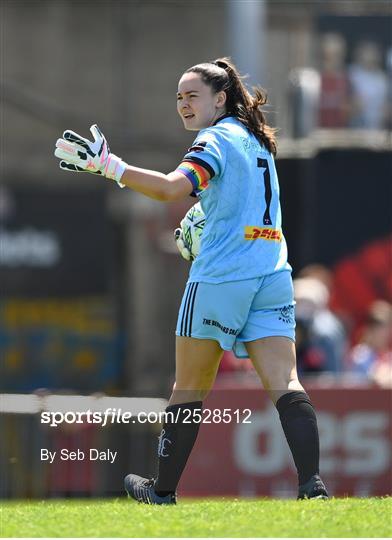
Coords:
pixel 252 459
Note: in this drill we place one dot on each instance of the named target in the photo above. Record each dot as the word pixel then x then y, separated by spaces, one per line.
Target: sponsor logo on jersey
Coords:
pixel 224 329
pixel 264 233
pixel 198 147
pixel 250 145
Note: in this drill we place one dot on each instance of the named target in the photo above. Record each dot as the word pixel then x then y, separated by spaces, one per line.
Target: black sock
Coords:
pixel 176 441
pixel 300 427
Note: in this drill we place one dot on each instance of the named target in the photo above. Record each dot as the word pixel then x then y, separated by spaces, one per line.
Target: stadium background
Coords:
pixel 91 280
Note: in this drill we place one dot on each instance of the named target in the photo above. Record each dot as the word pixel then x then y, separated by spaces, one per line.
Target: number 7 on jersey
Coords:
pixel 263 163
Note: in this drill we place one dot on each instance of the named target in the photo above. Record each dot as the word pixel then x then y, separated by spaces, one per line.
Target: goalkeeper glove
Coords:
pixel 78 154
pixel 182 246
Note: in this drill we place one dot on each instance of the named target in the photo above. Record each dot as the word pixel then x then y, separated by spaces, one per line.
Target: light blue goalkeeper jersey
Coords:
pixel 243 237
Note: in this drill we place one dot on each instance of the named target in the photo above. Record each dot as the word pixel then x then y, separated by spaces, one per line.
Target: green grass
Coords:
pixel 202 518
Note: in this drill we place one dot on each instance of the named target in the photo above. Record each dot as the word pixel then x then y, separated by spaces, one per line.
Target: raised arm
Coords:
pixel 78 154
pixel 163 187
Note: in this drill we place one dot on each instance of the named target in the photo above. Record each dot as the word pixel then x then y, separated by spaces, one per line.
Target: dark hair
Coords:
pixel 222 75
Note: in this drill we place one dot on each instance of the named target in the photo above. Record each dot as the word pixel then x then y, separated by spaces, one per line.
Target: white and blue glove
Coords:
pixel 78 154
pixel 182 246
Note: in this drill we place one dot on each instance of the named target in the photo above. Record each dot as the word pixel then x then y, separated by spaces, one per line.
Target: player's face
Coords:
pixel 197 104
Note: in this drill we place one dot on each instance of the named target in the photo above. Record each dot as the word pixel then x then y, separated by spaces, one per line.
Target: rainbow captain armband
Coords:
pixel 198 172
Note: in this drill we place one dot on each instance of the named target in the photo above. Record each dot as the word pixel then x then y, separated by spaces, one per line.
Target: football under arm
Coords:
pixel 162 187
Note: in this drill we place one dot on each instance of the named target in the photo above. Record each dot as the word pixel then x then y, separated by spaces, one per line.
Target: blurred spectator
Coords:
pixel 359 280
pixel 319 272
pixel 369 87
pixel 303 95
pixel 372 356
pixel 334 85
pixel 321 338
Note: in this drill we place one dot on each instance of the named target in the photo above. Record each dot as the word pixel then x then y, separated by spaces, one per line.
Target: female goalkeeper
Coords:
pixel 239 295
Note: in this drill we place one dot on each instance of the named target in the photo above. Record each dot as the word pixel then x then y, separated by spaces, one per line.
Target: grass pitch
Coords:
pixel 202 518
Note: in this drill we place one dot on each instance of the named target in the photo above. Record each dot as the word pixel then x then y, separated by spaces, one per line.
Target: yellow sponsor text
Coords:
pixel 264 233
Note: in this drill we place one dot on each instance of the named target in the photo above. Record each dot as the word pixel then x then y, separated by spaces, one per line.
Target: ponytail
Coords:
pixel 239 101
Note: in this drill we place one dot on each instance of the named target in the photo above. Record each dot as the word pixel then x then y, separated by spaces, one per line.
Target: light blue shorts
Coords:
pixel 238 311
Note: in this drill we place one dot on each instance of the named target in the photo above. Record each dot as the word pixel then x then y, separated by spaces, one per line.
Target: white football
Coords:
pixel 192 226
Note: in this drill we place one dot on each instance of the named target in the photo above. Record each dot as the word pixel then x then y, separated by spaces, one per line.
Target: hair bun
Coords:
pixel 222 64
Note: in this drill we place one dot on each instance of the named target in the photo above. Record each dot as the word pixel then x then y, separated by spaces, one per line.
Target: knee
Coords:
pixel 282 380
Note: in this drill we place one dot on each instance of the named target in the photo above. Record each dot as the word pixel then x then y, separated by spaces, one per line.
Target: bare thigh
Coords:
pixel 275 362
pixel 197 362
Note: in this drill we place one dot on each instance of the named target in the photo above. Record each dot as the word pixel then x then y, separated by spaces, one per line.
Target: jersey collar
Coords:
pixel 227 115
